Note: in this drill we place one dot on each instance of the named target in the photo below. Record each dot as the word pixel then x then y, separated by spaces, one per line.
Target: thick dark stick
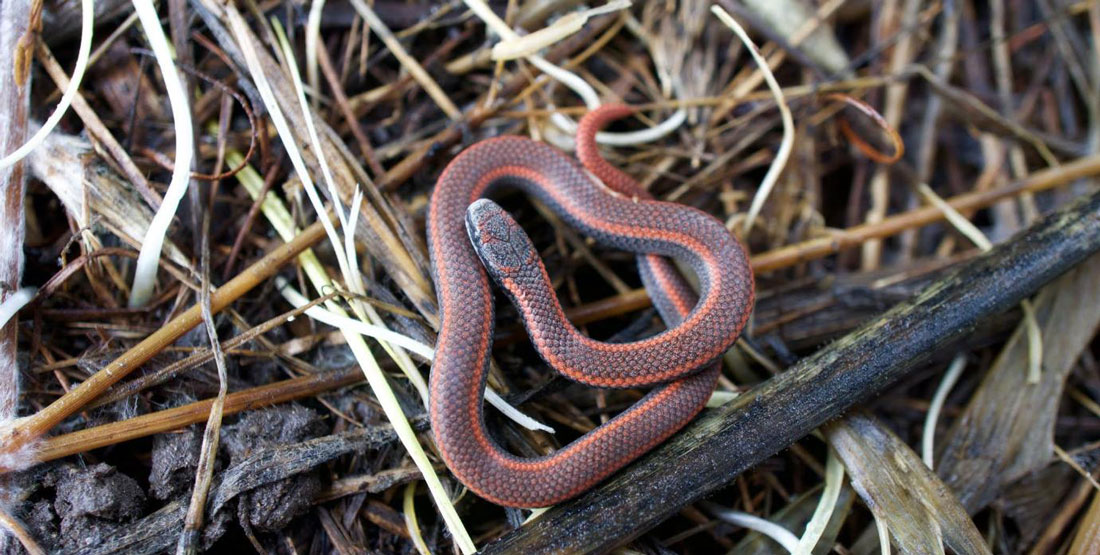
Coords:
pixel 725 442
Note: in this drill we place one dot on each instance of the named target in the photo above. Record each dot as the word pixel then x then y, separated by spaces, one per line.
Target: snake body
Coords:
pixel 681 359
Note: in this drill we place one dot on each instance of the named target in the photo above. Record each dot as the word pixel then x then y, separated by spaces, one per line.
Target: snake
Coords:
pixel 472 241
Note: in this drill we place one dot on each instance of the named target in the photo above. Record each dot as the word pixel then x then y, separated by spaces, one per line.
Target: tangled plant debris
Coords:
pixel 867 153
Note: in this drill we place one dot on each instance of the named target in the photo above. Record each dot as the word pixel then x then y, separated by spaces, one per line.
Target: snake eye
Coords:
pixel 499 241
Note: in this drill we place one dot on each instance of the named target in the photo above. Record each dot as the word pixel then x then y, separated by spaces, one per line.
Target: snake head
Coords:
pixel 499 241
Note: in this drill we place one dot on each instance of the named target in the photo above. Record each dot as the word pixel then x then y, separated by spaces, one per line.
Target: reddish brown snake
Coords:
pixel 700 328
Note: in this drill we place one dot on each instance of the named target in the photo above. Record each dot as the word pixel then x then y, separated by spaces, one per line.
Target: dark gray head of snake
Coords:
pixel 504 248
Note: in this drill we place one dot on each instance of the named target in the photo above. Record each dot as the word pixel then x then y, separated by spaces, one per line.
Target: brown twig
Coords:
pixel 341 99
pixel 173 419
